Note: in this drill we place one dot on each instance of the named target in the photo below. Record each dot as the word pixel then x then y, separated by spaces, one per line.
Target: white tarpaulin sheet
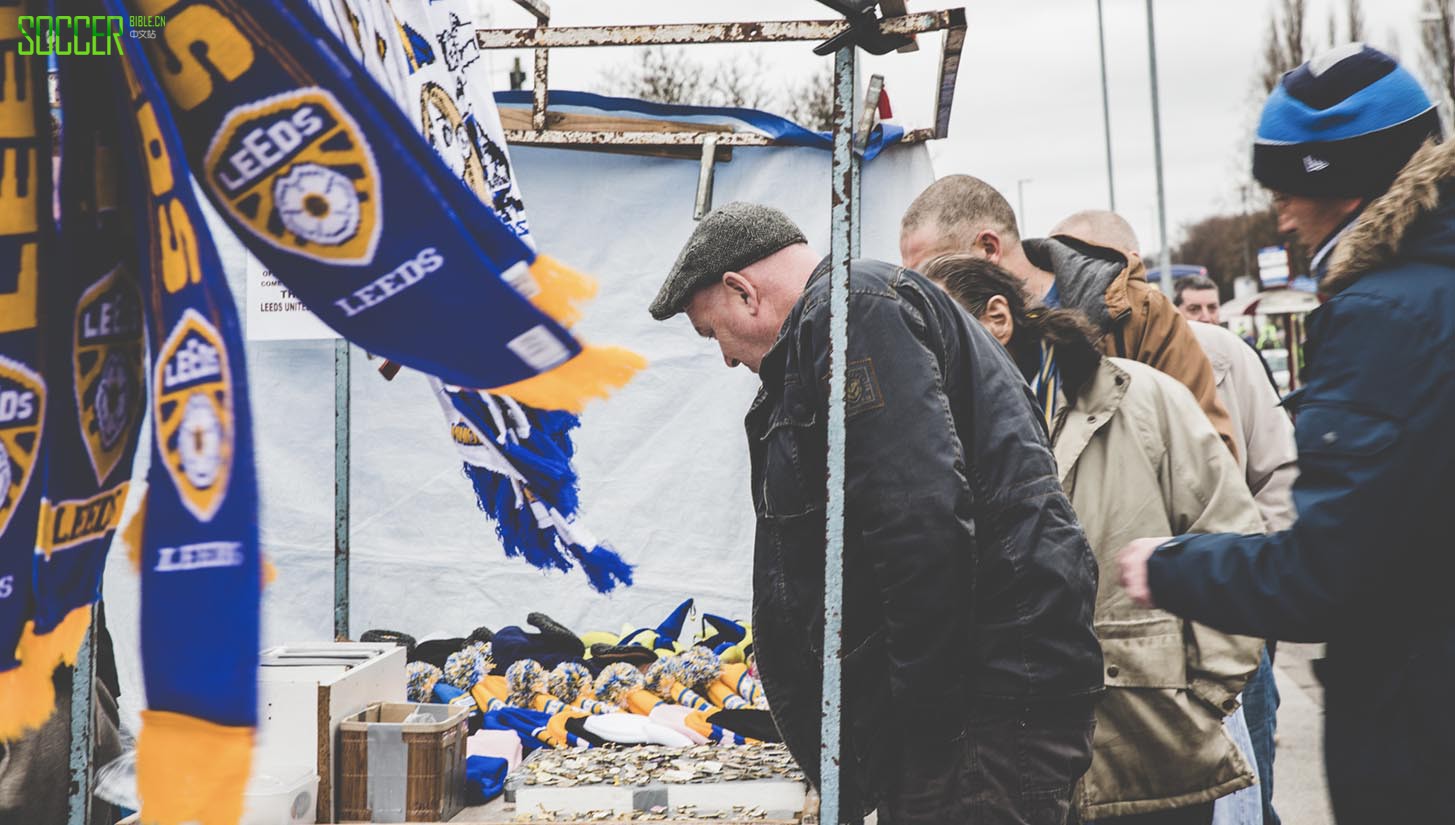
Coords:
pixel 663 464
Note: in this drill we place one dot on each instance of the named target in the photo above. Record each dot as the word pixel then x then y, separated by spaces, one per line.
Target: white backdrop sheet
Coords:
pixel 663 464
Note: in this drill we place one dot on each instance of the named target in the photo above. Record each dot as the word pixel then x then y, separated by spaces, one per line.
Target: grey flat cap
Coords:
pixel 731 237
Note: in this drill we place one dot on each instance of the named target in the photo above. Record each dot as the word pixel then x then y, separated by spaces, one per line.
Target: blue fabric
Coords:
pixel 201 577
pixel 520 721
pixel 1260 706
pixel 1243 806
pixel 25 253
pixel 1367 566
pixel 94 360
pixel 1052 299
pixel 778 128
pixel 349 206
pixel 1388 101
pixel 484 778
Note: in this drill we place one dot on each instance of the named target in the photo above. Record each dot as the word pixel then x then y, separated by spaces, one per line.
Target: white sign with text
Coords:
pixel 275 313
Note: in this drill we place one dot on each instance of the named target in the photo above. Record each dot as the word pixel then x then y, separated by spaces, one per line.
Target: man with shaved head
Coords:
pixel 963 214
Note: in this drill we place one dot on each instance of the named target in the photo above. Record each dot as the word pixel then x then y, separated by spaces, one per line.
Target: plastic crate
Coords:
pixel 393 771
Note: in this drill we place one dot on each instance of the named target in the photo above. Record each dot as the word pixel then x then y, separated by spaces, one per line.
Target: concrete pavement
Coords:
pixel 1300 792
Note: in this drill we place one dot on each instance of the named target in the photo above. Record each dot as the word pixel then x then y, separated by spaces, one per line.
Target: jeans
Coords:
pixel 1016 766
pixel 1260 703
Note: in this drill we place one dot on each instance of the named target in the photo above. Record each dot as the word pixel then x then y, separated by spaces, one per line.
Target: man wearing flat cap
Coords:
pixel 970 666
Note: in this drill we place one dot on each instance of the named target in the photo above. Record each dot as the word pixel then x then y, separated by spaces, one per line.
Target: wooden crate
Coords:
pixel 425 763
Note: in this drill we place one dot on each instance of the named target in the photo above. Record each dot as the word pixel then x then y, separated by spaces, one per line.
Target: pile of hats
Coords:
pixel 555 688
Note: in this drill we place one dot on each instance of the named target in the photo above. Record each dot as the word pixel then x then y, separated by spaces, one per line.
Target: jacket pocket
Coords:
pixel 791 484
pixel 1144 653
pixel 1339 431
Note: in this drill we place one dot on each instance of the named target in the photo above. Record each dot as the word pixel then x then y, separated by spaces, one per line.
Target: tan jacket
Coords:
pixel 1136 320
pixel 1263 431
pixel 1137 459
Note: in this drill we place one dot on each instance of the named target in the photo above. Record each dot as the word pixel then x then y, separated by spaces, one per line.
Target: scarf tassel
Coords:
pixel 27 695
pixel 559 289
pixel 596 372
pixel 191 770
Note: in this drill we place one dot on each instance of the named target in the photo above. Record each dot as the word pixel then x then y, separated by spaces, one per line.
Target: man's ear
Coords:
pixel 997 319
pixel 988 243
pixel 742 289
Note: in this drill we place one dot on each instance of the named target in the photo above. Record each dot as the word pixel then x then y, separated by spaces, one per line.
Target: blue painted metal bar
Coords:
pixel 842 241
pixel 78 811
pixel 341 490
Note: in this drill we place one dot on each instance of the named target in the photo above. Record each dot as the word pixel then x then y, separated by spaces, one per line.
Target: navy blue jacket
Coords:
pixel 1370 564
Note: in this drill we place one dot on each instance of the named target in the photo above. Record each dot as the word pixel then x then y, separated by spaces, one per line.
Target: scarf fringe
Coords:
pixel 595 373
pixel 561 288
pixel 27 697
pixel 191 770
pixel 58 646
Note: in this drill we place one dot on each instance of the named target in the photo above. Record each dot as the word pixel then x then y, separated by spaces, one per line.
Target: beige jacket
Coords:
pixel 1137 458
pixel 1263 431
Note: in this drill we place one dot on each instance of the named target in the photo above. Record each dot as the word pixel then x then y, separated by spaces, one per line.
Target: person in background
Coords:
pixel 1134 453
pixel 970 670
pixel 1268 459
pixel 963 214
pixel 1348 144
pixel 1196 297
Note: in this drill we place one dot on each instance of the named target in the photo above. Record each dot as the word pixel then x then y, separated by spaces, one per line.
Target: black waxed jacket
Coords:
pixel 967 578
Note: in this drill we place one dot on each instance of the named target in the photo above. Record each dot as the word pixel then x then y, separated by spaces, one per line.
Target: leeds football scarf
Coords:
pixel 527 483
pixel 200 576
pixel 94 341
pixel 330 188
pixel 26 694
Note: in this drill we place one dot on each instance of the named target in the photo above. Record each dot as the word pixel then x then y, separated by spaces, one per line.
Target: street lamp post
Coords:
pixel 1111 189
pixel 1166 279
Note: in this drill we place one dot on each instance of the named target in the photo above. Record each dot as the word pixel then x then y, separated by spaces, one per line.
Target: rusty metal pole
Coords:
pixel 843 182
pixel 341 490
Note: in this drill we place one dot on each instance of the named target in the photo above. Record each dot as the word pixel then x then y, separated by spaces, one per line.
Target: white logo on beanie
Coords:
pixel 1322 61
pixel 1313 164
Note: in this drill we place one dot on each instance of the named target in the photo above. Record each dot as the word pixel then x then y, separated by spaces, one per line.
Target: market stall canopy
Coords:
pixel 663 463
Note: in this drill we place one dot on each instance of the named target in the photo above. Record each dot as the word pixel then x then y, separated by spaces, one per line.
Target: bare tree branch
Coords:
pixel 1355 20
pixel 1437 52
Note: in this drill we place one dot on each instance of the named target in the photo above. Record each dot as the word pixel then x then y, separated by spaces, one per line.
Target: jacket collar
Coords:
pixel 1379 234
pixel 1099 400
pixel 775 361
pixel 1090 278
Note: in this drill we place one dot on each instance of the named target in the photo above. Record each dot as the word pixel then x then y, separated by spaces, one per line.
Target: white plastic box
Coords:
pixel 281 795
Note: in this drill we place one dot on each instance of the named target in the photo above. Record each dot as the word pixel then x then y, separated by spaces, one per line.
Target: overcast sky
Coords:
pixel 1028 101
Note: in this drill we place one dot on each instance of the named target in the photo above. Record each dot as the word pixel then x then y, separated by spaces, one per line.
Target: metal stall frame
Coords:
pixel 862 27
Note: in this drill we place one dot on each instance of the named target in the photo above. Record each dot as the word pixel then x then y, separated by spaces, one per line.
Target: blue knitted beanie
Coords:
pixel 1342 125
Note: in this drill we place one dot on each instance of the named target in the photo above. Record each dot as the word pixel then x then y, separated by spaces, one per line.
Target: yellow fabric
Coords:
pixel 560 289
pixel 27 696
pixel 642 702
pixel 597 637
pixel 191 770
pixel 594 373
pixel 58 646
pixel 131 529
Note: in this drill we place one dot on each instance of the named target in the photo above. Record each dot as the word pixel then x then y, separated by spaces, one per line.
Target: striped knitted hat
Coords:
pixel 1342 125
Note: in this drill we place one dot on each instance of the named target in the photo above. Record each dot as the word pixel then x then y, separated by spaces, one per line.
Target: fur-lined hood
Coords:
pixel 1379 233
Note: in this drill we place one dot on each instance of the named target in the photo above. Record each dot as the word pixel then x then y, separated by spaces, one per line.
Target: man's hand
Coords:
pixel 1132 560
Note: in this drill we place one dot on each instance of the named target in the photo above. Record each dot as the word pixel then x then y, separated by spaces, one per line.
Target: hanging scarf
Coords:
pixel 200 570
pixel 94 346
pixel 428 58
pixel 1046 384
pixel 26 693
pixel 310 165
